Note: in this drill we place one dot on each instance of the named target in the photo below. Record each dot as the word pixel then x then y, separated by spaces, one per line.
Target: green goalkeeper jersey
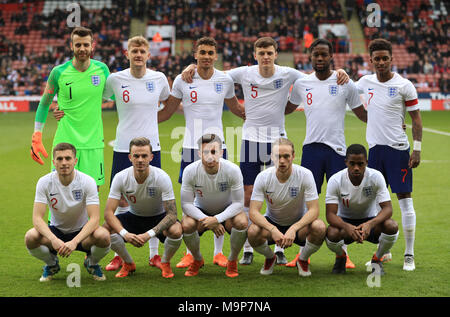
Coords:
pixel 80 97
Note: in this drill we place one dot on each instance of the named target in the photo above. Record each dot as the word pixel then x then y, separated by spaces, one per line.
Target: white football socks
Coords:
pixel 265 250
pixel 336 247
pixel 43 253
pixel 237 240
pixel 192 241
pixel 118 246
pixel 408 223
pixel 153 245
pixel 308 250
pixel 386 242
pixel 97 254
pixel 218 244
pixel 170 247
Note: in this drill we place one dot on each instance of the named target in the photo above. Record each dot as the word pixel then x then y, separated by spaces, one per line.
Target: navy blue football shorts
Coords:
pixel 356 222
pixel 66 237
pixel 283 230
pixel 322 161
pixel 254 157
pixel 138 224
pixel 393 164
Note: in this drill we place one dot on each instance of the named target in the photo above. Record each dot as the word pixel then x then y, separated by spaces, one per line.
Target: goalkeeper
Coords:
pixel 79 84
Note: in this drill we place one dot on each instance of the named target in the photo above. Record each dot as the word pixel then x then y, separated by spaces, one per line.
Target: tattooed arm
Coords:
pixel 171 216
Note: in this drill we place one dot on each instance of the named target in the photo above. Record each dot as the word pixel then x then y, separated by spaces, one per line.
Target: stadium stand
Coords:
pixel 34 35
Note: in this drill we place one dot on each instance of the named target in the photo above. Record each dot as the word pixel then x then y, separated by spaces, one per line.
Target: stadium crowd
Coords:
pixel 234 24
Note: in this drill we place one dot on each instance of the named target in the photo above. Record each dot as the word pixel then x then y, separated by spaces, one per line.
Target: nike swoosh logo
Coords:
pixel 344 195
pixel 53 194
pixel 308 89
pixel 269 192
pixel 192 87
pixel 369 88
pixel 128 192
pixel 198 186
pixel 125 86
pixel 67 84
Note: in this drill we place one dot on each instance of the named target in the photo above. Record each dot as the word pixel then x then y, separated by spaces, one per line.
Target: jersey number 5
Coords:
pixel 254 92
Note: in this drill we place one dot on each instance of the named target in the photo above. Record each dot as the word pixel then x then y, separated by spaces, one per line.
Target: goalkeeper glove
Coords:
pixel 37 147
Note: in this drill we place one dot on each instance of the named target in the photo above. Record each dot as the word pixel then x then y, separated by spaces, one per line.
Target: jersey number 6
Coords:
pixel 126 96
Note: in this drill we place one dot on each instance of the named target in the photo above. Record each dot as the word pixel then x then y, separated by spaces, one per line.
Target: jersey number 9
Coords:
pixel 193 96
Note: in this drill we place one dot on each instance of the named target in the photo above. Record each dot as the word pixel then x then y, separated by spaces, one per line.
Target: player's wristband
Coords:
pixel 123 232
pixel 151 233
pixel 417 146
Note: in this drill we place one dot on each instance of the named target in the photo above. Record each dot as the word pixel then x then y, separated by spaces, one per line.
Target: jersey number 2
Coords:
pixel 54 202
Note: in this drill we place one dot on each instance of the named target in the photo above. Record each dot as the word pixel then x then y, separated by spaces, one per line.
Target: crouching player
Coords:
pixel 73 201
pixel 149 193
pixel 212 198
pixel 292 209
pixel 351 210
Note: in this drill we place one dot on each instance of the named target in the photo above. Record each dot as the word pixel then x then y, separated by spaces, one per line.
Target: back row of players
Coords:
pixel 202 91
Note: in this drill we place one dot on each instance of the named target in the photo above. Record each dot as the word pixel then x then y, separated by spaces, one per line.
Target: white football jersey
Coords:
pixel 325 107
pixel 137 102
pixel 386 105
pixel 265 101
pixel 67 204
pixel 146 199
pixel 212 192
pixel 203 102
pixel 357 202
pixel 286 202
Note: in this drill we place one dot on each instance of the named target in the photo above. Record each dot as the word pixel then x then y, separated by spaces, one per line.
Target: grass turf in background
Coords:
pixel 20 271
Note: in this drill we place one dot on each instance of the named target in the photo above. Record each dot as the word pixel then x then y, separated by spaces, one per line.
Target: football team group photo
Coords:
pixel 228 143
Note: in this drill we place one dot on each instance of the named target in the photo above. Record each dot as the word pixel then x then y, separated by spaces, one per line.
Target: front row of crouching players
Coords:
pixel 212 198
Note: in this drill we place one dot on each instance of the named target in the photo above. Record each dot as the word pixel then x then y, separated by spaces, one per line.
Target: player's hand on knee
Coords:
pixel 57 244
pixel 354 233
pixel 209 223
pixel 37 147
pixel 364 229
pixel 219 230
pixel 67 248
pixel 144 237
pixel 289 238
pixel 277 236
pixel 134 240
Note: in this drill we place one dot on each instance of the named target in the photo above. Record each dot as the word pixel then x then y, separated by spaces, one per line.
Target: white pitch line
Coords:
pixel 432 130
pixel 435 161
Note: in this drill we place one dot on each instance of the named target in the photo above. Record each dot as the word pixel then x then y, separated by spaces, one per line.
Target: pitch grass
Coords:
pixel 20 272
